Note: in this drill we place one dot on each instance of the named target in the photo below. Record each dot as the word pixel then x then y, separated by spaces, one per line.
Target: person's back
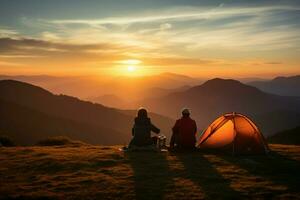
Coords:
pixel 141 130
pixel 184 132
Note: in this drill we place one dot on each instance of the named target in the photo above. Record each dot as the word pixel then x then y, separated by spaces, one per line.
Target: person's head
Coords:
pixel 142 113
pixel 185 112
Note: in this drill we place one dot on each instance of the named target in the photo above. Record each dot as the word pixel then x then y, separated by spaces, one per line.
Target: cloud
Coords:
pixel 28 45
pixel 273 63
pixel 180 61
pixel 42 53
pixel 185 29
pixel 165 26
pixel 177 36
pixel 4 32
pixel 179 14
pixel 4 64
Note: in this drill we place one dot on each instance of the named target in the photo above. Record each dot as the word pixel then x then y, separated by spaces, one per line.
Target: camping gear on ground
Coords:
pixel 158 145
pixel 161 142
pixel 234 132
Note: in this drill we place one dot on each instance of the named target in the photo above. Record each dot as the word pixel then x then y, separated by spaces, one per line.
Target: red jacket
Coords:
pixel 184 133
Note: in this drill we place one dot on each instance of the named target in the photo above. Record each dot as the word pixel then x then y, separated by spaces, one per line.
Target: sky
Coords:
pixel 140 37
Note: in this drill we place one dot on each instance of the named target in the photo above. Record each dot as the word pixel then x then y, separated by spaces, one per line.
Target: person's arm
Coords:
pixel 154 129
pixel 174 133
pixel 132 130
pixel 195 132
pixel 172 141
pixel 195 125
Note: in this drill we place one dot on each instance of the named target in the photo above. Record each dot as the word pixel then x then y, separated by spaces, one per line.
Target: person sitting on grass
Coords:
pixel 141 130
pixel 184 132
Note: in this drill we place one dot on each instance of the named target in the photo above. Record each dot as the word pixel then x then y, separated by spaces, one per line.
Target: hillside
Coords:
pixel 27 126
pixel 103 172
pixel 218 96
pixel 286 86
pixel 291 136
pixel 46 113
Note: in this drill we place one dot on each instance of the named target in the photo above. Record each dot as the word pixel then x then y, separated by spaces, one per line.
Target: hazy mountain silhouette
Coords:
pixel 111 100
pixel 286 86
pixel 127 88
pixel 115 101
pixel 218 96
pixel 159 91
pixel 113 126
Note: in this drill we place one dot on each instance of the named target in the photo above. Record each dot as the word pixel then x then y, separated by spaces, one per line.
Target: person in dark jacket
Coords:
pixel 184 132
pixel 141 130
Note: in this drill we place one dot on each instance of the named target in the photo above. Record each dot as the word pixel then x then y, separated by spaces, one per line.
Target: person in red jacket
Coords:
pixel 184 132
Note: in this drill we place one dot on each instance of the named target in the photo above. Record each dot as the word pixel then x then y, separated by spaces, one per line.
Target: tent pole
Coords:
pixel 260 135
pixel 234 132
pixel 214 130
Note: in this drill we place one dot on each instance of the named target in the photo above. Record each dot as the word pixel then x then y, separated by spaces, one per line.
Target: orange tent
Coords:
pixel 234 132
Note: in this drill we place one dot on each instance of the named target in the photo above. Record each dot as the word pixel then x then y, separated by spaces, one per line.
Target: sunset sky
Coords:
pixel 141 37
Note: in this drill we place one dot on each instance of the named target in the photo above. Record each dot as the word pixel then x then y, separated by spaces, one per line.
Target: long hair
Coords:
pixel 142 113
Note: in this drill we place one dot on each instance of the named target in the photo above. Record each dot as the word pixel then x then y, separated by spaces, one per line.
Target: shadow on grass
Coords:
pixel 150 173
pixel 153 177
pixel 199 170
pixel 274 167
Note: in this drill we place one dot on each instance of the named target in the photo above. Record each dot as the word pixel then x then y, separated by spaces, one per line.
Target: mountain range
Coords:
pixel 217 96
pixel 128 88
pixel 285 86
pixel 30 113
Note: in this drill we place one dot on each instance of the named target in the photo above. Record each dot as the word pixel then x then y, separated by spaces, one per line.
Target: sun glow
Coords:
pixel 131 68
pixel 130 62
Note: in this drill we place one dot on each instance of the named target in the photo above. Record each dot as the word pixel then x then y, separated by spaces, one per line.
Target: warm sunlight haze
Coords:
pixel 197 38
pixel 149 99
pixel 131 68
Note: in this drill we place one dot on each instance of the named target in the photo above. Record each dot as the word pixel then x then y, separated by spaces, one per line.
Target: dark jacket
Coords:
pixel 184 133
pixel 141 132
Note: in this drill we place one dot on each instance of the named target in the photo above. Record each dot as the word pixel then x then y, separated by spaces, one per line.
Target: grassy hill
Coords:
pixel 103 172
pixel 290 136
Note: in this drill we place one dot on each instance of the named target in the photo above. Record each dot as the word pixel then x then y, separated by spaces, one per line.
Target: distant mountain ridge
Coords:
pixel 47 114
pixel 113 125
pixel 127 88
pixel 218 96
pixel 286 86
pixel 110 100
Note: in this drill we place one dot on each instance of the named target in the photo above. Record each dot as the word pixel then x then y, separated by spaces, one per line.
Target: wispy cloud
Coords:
pixel 180 14
pixel 5 32
pixel 196 37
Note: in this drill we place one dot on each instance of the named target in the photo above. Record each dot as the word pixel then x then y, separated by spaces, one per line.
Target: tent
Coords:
pixel 234 132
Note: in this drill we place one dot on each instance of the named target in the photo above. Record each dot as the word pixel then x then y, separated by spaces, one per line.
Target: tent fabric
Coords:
pixel 234 132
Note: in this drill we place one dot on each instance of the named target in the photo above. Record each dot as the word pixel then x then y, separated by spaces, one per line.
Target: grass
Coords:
pixel 59 141
pixel 103 172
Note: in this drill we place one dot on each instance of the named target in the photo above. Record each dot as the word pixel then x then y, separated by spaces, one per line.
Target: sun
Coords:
pixel 131 68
